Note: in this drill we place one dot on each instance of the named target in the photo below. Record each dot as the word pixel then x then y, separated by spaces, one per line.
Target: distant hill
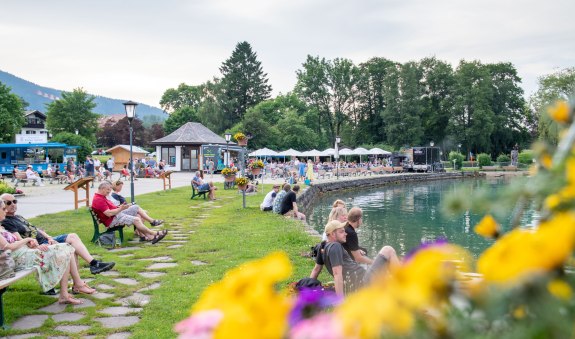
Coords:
pixel 37 97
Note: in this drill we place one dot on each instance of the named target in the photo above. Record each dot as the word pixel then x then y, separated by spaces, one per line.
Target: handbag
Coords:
pixel 7 265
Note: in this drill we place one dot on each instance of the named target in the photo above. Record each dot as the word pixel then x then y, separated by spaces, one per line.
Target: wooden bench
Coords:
pixel 490 168
pixel 398 169
pixel 97 223
pixel 197 193
pixel 21 177
pixel 4 286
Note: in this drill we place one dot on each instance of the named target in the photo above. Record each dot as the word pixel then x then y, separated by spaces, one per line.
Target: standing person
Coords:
pixel 89 166
pixel 97 164
pixel 53 263
pixel 309 170
pixel 70 170
pixel 301 170
pixel 18 224
pixel 347 274
pixel 354 221
pixel 289 205
pixel 32 175
pixel 268 203
pixel 110 164
pixel 211 167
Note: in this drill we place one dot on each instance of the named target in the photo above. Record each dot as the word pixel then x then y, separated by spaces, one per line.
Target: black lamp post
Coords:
pixel 228 138
pixel 337 141
pixel 130 107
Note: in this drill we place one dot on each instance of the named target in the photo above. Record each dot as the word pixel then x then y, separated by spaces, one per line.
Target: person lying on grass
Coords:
pixel 111 215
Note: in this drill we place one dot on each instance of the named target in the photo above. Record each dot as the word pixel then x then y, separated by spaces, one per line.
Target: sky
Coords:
pixel 136 50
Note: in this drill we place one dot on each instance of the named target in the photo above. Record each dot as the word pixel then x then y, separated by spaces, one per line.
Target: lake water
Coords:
pixel 405 215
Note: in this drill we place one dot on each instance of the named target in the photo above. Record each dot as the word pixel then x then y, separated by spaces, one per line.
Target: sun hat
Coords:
pixel 333 225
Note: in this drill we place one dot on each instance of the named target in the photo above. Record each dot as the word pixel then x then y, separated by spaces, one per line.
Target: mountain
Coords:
pixel 38 96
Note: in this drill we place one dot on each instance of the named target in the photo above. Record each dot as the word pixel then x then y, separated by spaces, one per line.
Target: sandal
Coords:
pixel 159 236
pixel 84 289
pixel 70 301
pixel 157 222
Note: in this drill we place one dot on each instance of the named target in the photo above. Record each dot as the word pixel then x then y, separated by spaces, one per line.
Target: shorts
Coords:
pixel 204 187
pixel 59 238
pixel 126 217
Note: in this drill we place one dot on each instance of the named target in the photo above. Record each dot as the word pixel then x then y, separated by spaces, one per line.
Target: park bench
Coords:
pixel 197 193
pixel 21 177
pixel 398 169
pixel 490 168
pixel 510 168
pixel 4 286
pixel 97 222
pixel 324 174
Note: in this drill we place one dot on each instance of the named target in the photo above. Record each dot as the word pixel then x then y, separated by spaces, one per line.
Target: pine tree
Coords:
pixel 244 82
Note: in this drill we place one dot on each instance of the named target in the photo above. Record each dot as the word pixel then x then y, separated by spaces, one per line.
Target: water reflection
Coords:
pixel 405 215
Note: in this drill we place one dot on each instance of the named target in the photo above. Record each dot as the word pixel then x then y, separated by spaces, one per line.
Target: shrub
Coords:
pixel 503 158
pixel 5 188
pixel 458 157
pixel 526 157
pixel 483 159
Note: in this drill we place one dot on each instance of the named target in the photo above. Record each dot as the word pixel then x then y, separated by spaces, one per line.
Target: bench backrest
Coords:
pixel 21 175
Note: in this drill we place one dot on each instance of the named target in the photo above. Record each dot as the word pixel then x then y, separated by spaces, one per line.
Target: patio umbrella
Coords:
pixel 378 151
pixel 360 151
pixel 264 152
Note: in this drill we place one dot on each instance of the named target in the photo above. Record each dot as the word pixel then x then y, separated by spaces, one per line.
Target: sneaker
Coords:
pixel 101 267
pixel 50 292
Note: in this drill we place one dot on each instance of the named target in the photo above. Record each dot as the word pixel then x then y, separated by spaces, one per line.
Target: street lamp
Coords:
pixel 228 138
pixel 431 143
pixel 130 107
pixel 76 131
pixel 337 141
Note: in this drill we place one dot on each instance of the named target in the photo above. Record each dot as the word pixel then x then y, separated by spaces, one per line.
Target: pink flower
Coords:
pixel 322 326
pixel 200 325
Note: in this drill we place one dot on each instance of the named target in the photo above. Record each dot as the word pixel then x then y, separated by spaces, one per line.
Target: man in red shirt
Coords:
pixel 124 214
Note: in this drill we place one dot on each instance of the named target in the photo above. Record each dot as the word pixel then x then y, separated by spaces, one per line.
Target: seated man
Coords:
pixel 16 223
pixel 351 245
pixel 268 203
pixel 199 185
pixel 277 207
pixel 342 267
pixel 289 205
pixel 112 215
pixel 33 176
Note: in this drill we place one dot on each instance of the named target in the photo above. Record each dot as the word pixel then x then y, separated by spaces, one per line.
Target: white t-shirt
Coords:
pixel 30 174
pixel 269 199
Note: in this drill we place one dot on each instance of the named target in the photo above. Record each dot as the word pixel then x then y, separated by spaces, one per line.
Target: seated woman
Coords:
pixel 124 172
pixel 150 172
pixel 54 263
pixel 116 198
pixel 199 184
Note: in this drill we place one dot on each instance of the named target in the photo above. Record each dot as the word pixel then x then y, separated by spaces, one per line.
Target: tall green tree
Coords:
pixel 508 106
pixel 244 82
pixel 11 114
pixel 558 85
pixel 184 96
pixel 472 120
pixel 73 112
pixel 402 115
pixel 330 88
pixel 72 139
pixel 179 118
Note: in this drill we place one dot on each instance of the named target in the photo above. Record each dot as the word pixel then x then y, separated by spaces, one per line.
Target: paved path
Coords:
pixel 52 198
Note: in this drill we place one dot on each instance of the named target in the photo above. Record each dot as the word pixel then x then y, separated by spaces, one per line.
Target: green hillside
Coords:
pixel 38 96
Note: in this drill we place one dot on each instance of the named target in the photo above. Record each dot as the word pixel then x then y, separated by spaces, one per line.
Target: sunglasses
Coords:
pixel 10 202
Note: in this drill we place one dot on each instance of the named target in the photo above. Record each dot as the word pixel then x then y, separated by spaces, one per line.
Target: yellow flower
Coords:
pixel 560 289
pixel 570 171
pixel 392 302
pixel 520 253
pixel 487 227
pixel 559 112
pixel 519 312
pixel 552 201
pixel 250 304
pixel 546 161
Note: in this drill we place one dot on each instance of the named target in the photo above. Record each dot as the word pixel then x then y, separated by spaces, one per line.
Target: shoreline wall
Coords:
pixel 306 198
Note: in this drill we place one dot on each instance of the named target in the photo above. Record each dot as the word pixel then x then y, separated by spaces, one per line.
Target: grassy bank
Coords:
pixel 221 234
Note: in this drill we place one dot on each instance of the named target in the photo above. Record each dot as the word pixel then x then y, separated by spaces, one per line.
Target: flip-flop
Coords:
pixel 70 301
pixel 159 236
pixel 157 222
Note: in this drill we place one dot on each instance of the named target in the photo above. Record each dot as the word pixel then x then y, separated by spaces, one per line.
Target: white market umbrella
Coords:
pixel 378 151
pixel 290 153
pixel 314 153
pixel 346 151
pixel 264 152
pixel 328 152
pixel 360 151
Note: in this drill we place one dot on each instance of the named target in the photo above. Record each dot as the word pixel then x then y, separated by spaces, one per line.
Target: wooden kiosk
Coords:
pixel 84 184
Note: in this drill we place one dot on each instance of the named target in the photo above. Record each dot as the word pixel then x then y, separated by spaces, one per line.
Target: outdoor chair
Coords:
pixel 97 223
pixel 197 193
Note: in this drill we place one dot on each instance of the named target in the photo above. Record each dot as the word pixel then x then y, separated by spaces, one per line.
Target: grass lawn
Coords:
pixel 222 234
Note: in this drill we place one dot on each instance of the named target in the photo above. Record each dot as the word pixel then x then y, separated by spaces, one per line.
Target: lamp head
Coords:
pixel 431 143
pixel 130 107
pixel 228 137
pixel 338 139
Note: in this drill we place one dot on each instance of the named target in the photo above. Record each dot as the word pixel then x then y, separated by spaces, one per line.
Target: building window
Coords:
pixel 169 155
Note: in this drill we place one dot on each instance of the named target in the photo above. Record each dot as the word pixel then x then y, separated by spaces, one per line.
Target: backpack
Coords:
pixel 107 239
